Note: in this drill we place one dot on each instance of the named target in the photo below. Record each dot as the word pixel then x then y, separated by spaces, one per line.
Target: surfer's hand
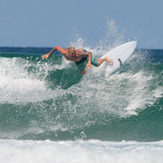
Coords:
pixel 45 56
pixel 89 65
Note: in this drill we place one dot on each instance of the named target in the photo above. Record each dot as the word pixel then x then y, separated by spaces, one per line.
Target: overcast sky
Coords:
pixel 47 23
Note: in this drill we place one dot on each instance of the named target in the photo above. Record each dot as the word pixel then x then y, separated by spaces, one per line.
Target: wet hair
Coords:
pixel 71 49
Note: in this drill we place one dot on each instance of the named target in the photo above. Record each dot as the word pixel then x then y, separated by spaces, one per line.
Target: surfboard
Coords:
pixel 119 55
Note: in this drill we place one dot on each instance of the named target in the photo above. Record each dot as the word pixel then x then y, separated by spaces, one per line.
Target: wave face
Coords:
pixel 50 99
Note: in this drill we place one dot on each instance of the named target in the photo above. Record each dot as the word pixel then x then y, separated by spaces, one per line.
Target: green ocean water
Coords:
pixel 51 100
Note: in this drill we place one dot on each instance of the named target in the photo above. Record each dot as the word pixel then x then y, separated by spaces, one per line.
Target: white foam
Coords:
pixel 92 151
pixel 17 85
pixel 122 94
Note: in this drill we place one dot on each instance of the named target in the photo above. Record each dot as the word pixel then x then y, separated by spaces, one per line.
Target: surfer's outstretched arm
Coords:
pixel 58 48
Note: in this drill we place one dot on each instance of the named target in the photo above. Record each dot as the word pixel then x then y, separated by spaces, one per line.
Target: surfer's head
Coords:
pixel 71 51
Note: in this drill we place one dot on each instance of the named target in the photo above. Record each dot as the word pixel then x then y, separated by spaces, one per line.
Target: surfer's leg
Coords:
pixel 106 59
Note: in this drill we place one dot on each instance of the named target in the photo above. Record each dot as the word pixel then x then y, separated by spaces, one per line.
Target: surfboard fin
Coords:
pixel 120 62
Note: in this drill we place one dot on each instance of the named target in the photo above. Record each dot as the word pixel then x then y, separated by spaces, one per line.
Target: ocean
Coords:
pixel 50 113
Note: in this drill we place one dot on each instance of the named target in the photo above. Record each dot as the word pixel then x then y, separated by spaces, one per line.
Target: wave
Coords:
pixel 51 100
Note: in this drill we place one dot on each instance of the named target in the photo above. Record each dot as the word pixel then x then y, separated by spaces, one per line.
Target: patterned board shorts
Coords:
pixel 83 62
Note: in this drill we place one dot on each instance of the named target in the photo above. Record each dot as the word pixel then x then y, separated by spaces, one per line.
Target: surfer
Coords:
pixel 81 57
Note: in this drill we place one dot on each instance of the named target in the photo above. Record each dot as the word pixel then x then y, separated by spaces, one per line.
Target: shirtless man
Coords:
pixel 81 57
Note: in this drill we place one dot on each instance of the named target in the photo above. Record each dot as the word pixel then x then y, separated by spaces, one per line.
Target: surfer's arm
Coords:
pixel 57 48
pixel 89 60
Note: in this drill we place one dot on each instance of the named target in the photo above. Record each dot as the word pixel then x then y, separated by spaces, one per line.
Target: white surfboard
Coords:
pixel 119 55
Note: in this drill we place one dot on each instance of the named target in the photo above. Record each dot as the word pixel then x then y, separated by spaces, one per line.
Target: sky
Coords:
pixel 49 23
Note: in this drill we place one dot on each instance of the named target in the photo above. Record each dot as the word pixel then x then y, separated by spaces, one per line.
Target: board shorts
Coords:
pixel 83 63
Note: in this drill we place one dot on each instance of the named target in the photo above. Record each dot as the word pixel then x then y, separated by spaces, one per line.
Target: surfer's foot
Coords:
pixel 107 59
